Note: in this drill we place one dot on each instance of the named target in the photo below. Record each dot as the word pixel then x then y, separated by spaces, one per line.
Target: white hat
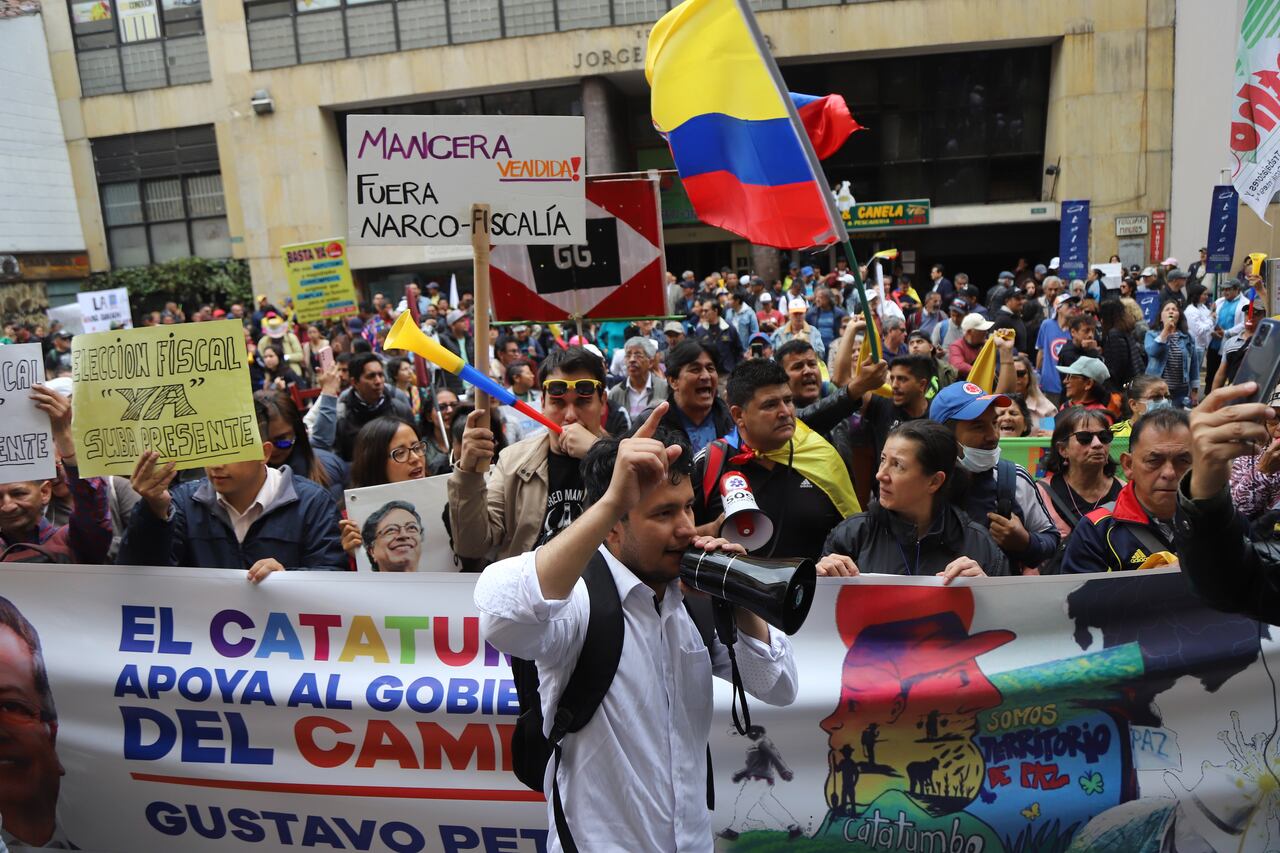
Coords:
pixel 975 321
pixel 1170 261
pixel 847 278
pixel 1149 272
pixel 1055 263
pixel 766 297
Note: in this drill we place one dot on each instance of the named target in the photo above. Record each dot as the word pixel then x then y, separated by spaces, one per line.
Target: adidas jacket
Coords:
pixel 1105 541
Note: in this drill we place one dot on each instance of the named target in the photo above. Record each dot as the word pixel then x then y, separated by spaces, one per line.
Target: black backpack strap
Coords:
pixel 1006 487
pixel 1065 510
pixel 1147 538
pixel 591 677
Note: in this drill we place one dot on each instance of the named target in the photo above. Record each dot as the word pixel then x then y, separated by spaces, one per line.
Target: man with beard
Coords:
pixel 695 409
pixel 535 487
pixel 634 776
pixel 30 772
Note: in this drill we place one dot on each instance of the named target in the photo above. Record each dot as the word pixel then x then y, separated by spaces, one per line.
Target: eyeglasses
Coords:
pixel 1086 438
pixel 395 530
pixel 401 454
pixel 558 388
pixel 1021 374
pixel 447 407
pixel 283 443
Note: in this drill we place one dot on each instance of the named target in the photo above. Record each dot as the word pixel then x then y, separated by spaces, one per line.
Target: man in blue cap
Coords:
pixel 999 494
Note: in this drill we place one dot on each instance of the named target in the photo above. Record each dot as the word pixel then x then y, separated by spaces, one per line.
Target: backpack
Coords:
pixel 1006 487
pixel 590 680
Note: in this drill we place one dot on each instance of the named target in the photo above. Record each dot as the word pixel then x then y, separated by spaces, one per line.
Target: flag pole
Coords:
pixel 833 214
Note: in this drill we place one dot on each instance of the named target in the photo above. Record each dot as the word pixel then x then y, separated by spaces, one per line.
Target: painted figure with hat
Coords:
pixel 910 694
pixel 276 331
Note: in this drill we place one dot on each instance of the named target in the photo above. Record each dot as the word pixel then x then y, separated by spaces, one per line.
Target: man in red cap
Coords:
pixel 911 691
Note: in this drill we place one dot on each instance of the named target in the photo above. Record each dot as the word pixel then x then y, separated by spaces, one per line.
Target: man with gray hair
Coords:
pixel 642 389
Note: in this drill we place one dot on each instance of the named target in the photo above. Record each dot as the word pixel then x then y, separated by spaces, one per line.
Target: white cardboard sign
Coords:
pixel 101 310
pixel 26 441
pixel 411 180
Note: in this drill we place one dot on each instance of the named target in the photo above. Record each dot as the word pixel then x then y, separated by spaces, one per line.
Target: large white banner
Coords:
pixel 187 710
pixel 104 310
pixel 411 180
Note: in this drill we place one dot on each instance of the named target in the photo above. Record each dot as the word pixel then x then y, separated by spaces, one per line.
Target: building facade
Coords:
pixel 42 250
pixel 217 127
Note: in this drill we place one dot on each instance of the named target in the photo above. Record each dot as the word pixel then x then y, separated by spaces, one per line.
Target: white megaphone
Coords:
pixel 744 523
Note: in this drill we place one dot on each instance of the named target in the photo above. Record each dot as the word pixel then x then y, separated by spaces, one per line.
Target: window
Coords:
pixel 960 128
pixel 162 196
pixel 131 45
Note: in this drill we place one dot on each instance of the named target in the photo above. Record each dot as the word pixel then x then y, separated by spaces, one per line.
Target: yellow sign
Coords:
pixel 181 390
pixel 320 280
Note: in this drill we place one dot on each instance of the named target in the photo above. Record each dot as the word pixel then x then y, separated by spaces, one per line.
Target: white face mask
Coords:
pixel 978 461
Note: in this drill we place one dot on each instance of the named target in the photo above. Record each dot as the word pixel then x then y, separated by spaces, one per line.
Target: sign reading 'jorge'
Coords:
pixel 411 180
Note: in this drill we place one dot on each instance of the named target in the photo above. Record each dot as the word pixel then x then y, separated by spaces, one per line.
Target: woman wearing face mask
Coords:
pixel 1172 355
pixel 1146 393
pixel 913 529
pixel 1081 472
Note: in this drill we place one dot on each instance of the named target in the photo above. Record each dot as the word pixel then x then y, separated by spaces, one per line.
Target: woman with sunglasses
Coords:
pixel 387 450
pixel 291 445
pixel 1027 385
pixel 1081 472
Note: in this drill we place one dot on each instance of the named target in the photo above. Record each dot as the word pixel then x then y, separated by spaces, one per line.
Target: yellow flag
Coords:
pixel 984 366
pixel 820 463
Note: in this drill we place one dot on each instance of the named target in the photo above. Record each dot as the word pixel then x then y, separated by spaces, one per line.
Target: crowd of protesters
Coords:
pixel 890 465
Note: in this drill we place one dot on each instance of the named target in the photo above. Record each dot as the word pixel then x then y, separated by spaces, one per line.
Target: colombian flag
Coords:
pixel 735 135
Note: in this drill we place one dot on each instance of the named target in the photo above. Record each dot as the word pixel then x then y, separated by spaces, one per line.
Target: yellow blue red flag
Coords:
pixel 738 142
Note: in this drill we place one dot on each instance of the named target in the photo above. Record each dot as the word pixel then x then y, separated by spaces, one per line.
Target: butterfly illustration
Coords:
pixel 1032 812
pixel 1091 783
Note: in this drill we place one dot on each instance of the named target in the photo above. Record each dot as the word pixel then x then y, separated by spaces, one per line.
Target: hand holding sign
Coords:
pixel 58 408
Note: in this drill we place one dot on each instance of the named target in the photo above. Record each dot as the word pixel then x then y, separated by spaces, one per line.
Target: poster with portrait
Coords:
pixel 402 526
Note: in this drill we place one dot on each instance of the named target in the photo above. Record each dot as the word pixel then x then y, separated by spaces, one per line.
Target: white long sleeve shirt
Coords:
pixel 634 778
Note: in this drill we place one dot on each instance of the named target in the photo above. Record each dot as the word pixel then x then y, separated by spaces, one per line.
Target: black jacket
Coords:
pixel 883 542
pixel 354 413
pixel 1229 568
pixel 671 420
pixel 453 345
pixel 1008 320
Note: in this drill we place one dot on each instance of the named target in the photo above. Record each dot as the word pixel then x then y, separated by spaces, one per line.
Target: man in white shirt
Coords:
pixel 634 778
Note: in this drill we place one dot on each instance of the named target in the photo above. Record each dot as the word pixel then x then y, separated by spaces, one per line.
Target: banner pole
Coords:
pixel 480 247
pixel 873 335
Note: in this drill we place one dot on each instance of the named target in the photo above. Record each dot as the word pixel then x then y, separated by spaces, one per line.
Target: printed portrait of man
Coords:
pixel 902 731
pixel 30 772
pixel 393 537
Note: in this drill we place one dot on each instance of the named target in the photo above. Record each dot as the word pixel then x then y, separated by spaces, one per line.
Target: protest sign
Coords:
pixel 320 280
pixel 1254 137
pixel 387 516
pixel 103 310
pixel 354 711
pixel 26 441
pixel 181 390
pixel 618 272
pixel 411 180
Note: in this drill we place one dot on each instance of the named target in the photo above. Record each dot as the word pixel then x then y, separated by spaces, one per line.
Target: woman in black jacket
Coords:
pixel 1121 352
pixel 913 529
